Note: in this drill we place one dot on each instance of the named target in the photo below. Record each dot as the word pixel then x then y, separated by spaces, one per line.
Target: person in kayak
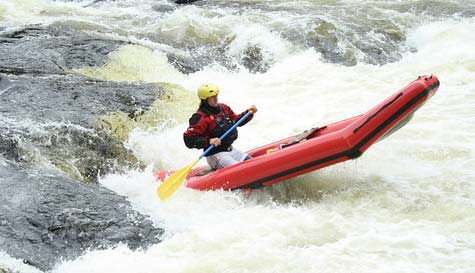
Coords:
pixel 212 120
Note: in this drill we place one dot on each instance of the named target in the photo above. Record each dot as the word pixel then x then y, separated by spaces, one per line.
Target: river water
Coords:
pixel 406 205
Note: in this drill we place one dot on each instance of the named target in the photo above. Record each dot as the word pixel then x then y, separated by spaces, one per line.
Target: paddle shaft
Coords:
pixel 241 120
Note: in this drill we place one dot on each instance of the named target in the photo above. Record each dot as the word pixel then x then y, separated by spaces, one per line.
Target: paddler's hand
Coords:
pixel 215 142
pixel 253 109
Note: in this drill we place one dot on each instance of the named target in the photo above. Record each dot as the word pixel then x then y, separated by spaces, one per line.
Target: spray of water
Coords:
pixel 405 206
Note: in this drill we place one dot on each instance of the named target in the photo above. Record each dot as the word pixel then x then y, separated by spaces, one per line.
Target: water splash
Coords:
pixel 406 204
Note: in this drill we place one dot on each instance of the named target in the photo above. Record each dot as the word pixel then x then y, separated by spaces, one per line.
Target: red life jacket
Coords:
pixel 205 125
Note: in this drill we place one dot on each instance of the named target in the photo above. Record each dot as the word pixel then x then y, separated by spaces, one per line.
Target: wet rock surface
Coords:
pixel 45 217
pixel 51 115
pixel 69 98
pixel 184 1
pixel 56 116
pixel 50 50
pixel 199 57
pixel 378 44
pixel 50 144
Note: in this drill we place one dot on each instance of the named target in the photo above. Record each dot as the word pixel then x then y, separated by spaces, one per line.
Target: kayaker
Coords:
pixel 211 121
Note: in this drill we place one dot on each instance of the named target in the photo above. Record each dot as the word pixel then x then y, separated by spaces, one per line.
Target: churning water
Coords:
pixel 406 205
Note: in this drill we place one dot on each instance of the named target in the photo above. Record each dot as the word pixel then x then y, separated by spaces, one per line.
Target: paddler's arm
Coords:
pixel 252 109
pixel 235 117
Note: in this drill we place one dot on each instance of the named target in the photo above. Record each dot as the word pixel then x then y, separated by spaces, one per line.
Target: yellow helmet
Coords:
pixel 207 90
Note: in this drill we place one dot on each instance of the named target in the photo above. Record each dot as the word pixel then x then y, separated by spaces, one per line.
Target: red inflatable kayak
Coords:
pixel 318 147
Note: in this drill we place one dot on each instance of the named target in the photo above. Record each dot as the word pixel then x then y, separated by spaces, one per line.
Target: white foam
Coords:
pixel 405 206
pixel 15 265
pixel 394 208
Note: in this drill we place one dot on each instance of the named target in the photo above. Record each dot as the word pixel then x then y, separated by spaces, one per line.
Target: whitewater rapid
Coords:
pixel 406 205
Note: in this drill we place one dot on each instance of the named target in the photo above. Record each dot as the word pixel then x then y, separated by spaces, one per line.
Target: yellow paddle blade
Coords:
pixel 173 182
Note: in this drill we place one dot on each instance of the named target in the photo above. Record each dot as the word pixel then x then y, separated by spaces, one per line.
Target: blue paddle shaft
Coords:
pixel 241 120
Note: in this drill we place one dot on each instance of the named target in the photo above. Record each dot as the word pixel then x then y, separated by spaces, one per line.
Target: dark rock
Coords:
pixel 468 13
pixel 325 39
pixel 50 50
pixel 45 217
pixel 379 42
pixel 9 146
pixel 54 115
pixel 199 57
pixel 48 118
pixel 70 98
pixel 185 65
pixel 253 60
pixel 184 1
pixel 58 116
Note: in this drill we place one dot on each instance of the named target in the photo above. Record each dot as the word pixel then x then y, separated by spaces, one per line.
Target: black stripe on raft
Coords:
pixel 352 153
pixel 379 111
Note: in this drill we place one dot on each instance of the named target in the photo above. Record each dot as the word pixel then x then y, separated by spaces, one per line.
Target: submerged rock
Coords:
pixel 378 41
pixel 160 7
pixel 199 56
pixel 325 38
pixel 9 147
pixel 253 60
pixel 46 217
